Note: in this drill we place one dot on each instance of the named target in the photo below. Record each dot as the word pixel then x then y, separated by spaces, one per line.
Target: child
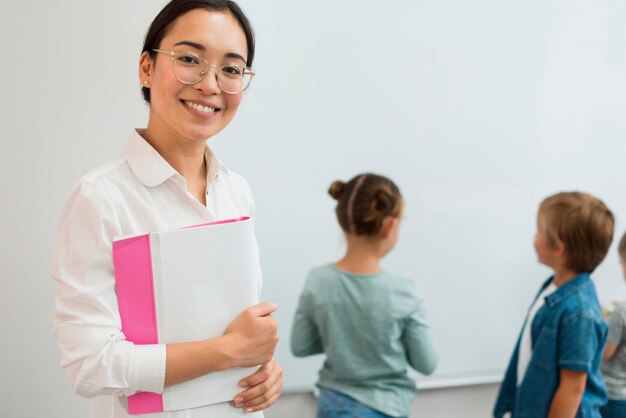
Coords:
pixel 370 323
pixel 554 370
pixel 614 365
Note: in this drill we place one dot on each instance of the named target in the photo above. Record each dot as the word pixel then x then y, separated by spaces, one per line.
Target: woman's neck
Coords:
pixel 362 255
pixel 185 156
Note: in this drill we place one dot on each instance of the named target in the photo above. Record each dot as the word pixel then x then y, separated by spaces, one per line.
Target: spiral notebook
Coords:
pixel 186 285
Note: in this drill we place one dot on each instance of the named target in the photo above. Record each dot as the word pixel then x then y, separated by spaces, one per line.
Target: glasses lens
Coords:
pixel 233 79
pixel 189 68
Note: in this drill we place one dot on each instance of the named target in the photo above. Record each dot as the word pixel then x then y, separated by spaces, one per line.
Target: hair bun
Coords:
pixel 383 202
pixel 336 189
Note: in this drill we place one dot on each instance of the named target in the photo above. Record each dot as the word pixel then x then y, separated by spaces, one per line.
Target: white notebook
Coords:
pixel 201 278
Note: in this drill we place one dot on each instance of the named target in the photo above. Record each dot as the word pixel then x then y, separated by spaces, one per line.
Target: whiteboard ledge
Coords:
pixel 423 383
pixel 450 382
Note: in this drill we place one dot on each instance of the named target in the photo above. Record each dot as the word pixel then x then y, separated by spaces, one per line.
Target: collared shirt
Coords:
pixel 568 332
pixel 136 193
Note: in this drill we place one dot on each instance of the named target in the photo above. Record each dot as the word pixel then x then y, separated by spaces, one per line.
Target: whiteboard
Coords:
pixel 477 110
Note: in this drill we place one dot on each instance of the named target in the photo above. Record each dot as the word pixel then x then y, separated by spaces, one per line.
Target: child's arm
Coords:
pixel 609 350
pixel 305 336
pixel 419 344
pixel 568 395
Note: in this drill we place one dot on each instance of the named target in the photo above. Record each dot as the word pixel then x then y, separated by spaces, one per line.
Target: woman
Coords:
pixel 193 70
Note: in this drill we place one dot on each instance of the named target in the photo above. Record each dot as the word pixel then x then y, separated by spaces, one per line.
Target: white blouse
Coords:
pixel 136 193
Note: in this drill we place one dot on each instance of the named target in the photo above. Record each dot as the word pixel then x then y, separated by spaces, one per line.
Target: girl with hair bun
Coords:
pixel 369 322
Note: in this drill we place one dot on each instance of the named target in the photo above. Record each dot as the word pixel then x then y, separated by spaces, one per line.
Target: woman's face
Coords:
pixel 217 37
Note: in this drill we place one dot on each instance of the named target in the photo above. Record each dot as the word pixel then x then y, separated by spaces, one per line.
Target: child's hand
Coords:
pixel 252 336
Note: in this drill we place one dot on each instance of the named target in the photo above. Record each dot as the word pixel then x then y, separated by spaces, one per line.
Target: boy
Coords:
pixel 554 371
pixel 614 365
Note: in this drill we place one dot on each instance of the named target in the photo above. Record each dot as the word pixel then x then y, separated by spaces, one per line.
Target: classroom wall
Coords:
pixel 498 103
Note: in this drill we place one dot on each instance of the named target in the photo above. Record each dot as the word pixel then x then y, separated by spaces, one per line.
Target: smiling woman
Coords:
pixel 166 178
pixel 177 109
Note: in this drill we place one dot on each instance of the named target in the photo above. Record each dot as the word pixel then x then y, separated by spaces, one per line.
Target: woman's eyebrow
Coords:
pixel 201 47
pixel 235 55
pixel 191 44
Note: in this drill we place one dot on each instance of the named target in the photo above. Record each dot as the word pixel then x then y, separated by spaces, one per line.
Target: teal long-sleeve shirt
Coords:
pixel 371 328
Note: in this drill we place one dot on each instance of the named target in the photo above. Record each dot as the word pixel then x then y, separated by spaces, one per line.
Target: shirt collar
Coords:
pixel 152 169
pixel 565 290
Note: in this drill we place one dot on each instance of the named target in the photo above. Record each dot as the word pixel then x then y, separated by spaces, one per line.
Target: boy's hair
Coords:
pixel 583 223
pixel 364 202
pixel 621 249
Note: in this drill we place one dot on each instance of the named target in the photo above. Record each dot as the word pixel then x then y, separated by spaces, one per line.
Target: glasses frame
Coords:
pixel 216 69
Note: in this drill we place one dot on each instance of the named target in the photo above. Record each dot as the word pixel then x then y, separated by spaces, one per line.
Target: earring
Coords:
pixel 145 82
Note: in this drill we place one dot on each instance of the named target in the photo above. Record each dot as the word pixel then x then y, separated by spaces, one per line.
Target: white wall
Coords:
pixel 477 110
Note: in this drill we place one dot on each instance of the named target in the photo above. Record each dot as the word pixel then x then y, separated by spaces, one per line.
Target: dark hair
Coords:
pixel 582 223
pixel 175 9
pixel 364 202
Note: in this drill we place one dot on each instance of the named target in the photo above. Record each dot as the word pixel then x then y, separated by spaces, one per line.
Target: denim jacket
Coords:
pixel 568 332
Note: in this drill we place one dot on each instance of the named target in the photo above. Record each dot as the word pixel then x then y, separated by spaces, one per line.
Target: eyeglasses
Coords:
pixel 190 68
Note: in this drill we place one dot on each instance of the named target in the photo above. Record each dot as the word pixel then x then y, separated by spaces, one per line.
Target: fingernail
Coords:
pixel 249 410
pixel 239 400
pixel 243 384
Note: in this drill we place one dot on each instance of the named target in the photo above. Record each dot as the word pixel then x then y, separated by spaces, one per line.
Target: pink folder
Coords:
pixel 154 271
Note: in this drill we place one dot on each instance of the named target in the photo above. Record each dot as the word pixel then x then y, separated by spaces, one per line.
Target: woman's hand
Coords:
pixel 252 336
pixel 249 340
pixel 265 386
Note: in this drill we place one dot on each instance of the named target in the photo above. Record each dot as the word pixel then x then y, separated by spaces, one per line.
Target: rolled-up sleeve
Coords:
pixel 86 323
pixel 580 337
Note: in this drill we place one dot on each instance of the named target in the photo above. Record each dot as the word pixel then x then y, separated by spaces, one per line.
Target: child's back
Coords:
pixel 370 323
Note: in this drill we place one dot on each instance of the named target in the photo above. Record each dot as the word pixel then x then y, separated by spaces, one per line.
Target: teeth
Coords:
pixel 200 108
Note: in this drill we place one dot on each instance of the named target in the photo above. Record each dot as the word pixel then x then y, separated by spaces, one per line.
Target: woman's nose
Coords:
pixel 209 84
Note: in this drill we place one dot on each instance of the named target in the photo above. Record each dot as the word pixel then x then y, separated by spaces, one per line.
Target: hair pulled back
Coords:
pixel 364 202
pixel 162 23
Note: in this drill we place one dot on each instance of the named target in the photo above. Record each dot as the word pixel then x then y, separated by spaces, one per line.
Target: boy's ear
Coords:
pixel 559 249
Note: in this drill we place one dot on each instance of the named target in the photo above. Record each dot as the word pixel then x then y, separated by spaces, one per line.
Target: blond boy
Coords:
pixel 554 371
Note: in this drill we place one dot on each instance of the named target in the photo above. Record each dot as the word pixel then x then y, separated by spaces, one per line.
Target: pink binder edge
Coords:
pixel 132 263
pixel 226 221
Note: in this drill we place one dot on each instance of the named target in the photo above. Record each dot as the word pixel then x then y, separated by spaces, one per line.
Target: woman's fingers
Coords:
pixel 265 387
pixel 261 375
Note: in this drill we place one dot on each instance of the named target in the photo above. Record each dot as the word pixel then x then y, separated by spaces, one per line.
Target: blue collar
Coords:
pixel 564 291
